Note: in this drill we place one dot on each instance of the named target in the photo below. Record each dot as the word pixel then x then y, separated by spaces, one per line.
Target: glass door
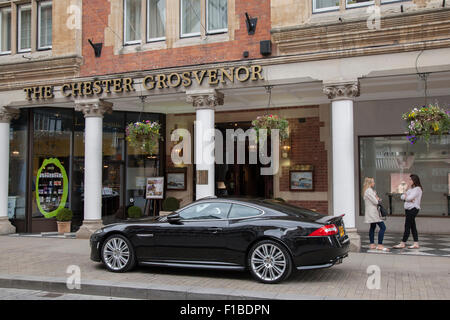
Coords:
pixel 51 150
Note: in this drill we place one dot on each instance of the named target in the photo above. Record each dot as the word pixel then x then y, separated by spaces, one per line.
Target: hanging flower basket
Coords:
pixel 426 121
pixel 144 136
pixel 271 122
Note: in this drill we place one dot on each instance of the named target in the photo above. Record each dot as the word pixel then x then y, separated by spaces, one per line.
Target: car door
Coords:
pixel 197 237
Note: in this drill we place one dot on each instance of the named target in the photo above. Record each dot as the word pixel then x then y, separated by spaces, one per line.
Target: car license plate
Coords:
pixel 341 231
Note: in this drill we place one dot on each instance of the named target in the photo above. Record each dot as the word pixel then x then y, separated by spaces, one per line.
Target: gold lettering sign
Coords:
pixel 150 82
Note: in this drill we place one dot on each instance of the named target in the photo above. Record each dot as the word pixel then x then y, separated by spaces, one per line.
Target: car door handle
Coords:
pixel 215 230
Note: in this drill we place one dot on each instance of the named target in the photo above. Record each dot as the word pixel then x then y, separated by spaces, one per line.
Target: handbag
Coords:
pixel 383 212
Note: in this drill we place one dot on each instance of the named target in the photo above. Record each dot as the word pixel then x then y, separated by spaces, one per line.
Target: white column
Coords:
pixel 6 115
pixel 93 111
pixel 205 102
pixel 343 154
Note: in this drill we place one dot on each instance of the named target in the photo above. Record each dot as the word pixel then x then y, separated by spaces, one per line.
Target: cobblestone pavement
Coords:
pixel 402 276
pixel 23 294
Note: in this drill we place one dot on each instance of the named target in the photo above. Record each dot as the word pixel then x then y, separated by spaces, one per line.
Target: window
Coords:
pixel 132 21
pixel 325 5
pixel 217 16
pixel 359 3
pixel 5 30
pixel 24 28
pixel 190 18
pixel 238 211
pixel 45 25
pixel 207 210
pixel 390 161
pixel 156 24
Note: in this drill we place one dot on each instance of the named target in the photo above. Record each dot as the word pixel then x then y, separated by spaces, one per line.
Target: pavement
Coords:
pixel 41 264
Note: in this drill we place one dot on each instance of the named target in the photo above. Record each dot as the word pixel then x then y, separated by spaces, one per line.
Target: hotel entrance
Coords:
pixel 241 180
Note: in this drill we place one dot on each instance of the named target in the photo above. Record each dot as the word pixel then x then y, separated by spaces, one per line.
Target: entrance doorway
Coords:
pixel 240 180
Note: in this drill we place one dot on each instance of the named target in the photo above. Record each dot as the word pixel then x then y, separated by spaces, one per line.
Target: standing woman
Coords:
pixel 372 215
pixel 412 199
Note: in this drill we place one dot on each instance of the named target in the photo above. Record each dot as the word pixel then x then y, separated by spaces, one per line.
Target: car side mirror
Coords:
pixel 173 218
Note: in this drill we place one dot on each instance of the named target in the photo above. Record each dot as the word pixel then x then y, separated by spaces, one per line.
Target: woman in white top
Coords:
pixel 372 215
pixel 412 199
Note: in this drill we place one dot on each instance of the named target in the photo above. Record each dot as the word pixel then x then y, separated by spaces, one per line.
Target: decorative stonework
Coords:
pixel 341 90
pixel 205 99
pixel 7 114
pixel 93 107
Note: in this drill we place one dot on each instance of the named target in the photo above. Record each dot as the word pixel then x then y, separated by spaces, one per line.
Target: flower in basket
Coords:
pixel 426 121
pixel 144 135
pixel 270 122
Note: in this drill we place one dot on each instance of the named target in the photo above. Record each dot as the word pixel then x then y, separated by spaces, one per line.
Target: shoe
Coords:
pixel 401 245
pixel 372 247
pixel 414 246
pixel 384 249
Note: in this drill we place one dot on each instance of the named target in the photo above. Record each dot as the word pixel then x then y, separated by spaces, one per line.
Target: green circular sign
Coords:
pixel 65 186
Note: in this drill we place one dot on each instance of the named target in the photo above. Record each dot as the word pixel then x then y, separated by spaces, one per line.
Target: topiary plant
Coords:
pixel 134 212
pixel 64 214
pixel 171 204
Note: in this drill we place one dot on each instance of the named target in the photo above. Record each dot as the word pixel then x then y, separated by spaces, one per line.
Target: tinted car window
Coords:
pixel 206 210
pixel 292 210
pixel 238 211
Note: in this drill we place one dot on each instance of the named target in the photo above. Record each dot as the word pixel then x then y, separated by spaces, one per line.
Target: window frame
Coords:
pixel 358 5
pixel 125 42
pixel 327 9
pixel 39 7
pixel 189 35
pixel 148 23
pixel 19 27
pixel 10 28
pixel 225 30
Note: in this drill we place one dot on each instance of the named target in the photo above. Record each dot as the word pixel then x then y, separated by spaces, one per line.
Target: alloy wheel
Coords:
pixel 116 253
pixel 268 262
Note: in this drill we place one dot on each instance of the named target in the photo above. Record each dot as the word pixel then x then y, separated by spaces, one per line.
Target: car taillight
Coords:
pixel 327 230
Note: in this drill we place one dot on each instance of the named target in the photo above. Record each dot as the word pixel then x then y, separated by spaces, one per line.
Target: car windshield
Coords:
pixel 292 210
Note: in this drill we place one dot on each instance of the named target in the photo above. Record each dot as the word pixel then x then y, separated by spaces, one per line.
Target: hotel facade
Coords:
pixel 74 74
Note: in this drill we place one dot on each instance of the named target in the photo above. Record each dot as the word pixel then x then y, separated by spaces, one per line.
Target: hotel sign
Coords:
pixel 150 82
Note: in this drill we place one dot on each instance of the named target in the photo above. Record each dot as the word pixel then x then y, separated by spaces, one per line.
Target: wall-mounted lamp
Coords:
pixel 285 150
pixel 251 24
pixel 97 48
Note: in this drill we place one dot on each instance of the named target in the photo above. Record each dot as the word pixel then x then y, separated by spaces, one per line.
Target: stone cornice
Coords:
pixel 341 91
pixel 17 75
pixel 400 32
pixel 8 114
pixel 93 107
pixel 209 99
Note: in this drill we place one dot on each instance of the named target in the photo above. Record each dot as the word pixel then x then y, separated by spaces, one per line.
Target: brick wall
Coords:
pixel 95 20
pixel 307 149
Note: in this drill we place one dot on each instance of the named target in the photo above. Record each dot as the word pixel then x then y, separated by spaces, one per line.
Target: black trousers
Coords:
pixel 410 225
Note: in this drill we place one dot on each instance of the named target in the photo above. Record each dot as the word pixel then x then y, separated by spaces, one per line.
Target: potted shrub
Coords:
pixel 64 219
pixel 144 135
pixel 426 121
pixel 169 205
pixel 134 212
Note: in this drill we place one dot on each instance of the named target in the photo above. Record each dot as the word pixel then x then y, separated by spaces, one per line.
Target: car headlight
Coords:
pixel 98 231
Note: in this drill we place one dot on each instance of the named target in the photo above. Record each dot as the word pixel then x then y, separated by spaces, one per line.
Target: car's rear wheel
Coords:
pixel 269 262
pixel 118 254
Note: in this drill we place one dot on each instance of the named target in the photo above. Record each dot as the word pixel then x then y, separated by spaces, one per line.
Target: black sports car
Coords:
pixel 268 237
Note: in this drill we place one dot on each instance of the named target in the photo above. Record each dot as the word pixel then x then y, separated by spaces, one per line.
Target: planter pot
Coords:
pixel 64 226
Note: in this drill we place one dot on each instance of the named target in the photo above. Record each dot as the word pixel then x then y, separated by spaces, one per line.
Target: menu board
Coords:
pixel 155 188
pixel 51 187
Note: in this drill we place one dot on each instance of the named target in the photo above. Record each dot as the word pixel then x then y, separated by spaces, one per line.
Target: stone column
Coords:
pixel 93 110
pixel 343 151
pixel 204 102
pixel 6 115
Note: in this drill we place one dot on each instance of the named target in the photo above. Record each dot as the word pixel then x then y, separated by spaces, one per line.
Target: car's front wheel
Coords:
pixel 269 262
pixel 118 254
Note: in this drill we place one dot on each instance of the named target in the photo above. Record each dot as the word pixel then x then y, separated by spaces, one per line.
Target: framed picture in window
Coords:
pixel 176 179
pixel 301 180
pixel 155 188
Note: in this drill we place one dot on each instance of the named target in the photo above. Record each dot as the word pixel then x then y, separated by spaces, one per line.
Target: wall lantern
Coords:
pixel 97 48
